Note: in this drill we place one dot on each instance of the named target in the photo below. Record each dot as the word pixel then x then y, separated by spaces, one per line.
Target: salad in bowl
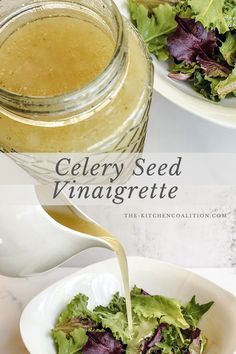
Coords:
pixel 199 36
pixel 160 325
pixel 192 43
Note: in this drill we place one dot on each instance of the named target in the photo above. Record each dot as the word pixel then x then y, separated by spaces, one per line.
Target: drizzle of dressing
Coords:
pixel 66 216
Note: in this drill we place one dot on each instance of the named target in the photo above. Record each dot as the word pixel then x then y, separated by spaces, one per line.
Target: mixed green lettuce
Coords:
pixel 199 36
pixel 160 326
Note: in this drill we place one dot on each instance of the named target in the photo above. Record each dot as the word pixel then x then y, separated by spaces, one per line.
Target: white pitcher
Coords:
pixel 32 242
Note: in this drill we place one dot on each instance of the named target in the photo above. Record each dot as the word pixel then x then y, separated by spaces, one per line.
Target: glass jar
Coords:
pixel 110 114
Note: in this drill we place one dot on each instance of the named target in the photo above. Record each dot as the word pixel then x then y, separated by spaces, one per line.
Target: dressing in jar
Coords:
pixel 74 77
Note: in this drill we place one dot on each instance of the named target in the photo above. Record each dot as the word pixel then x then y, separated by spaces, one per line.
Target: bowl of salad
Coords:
pixel 193 44
pixel 174 312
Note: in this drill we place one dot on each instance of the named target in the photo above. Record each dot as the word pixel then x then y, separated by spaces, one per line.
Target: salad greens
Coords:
pixel 199 36
pixel 160 326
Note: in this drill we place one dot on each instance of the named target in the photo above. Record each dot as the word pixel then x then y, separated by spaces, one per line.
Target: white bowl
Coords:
pixel 183 95
pixel 100 281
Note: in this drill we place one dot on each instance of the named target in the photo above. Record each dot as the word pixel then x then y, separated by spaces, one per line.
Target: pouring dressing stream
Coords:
pixel 69 217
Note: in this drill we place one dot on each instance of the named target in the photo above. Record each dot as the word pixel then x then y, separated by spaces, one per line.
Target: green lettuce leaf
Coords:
pixel 135 291
pixel 165 19
pixel 204 341
pixel 210 13
pixel 206 86
pixel 184 10
pixel 76 308
pixel 228 48
pixel 227 86
pixel 193 312
pixel 184 68
pixel 183 71
pixel 70 344
pixel 173 341
pixel 142 328
pixel 117 323
pixel 76 322
pixel 165 309
pixel 114 317
pixel 154 27
pixel 154 3
pixel 230 13
pixel 166 348
pixel 213 69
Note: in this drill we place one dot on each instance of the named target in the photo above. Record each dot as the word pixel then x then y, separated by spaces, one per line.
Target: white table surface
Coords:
pixel 16 293
pixel 171 129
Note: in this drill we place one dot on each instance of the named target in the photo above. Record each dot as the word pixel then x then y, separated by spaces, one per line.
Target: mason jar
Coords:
pixel 107 114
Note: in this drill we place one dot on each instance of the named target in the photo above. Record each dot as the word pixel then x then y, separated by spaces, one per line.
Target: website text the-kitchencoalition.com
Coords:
pixel 178 215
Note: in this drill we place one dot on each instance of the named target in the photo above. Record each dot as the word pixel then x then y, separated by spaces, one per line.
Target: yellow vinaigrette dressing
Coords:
pixel 65 216
pixel 74 77
pixel 54 55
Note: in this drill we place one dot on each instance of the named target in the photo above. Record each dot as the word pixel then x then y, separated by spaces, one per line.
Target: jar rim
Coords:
pixel 32 109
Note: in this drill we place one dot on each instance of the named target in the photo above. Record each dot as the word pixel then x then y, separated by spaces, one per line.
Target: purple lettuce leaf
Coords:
pixel 192 333
pixel 102 343
pixel 143 292
pixel 195 346
pixel 156 338
pixel 180 76
pixel 212 68
pixel 190 40
pixel 75 323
